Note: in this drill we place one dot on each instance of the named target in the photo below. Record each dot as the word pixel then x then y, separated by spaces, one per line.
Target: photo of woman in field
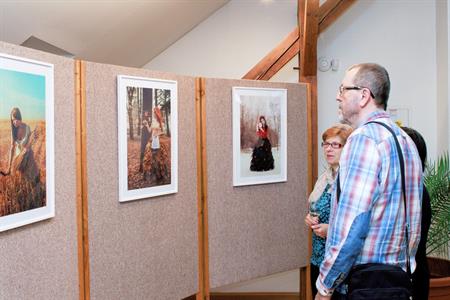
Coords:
pixel 23 175
pixel 23 170
pixel 21 158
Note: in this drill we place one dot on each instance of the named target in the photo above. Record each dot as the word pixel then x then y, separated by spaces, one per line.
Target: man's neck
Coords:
pixel 367 115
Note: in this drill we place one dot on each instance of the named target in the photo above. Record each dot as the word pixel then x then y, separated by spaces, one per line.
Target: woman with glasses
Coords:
pixel 333 140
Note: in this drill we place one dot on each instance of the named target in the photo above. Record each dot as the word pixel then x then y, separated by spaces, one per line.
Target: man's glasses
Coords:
pixel 334 145
pixel 358 88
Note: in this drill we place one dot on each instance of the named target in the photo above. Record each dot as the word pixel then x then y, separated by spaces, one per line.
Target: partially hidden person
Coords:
pixel 421 276
pixel 333 139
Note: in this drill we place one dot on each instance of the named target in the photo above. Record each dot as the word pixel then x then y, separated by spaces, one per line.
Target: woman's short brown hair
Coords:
pixel 341 130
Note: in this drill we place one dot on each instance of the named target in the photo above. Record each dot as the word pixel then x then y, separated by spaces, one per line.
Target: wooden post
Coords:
pixel 203 255
pixel 308 18
pixel 303 283
pixel 81 177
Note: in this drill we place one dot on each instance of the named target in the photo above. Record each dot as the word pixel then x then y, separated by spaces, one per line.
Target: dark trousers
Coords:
pixel 421 281
pixel 314 274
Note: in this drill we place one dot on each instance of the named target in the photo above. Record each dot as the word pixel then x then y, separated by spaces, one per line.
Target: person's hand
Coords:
pixel 310 221
pixel 320 297
pixel 320 230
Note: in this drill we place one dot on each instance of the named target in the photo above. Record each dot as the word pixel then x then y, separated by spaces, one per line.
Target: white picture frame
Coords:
pixel 27 192
pixel 158 174
pixel 400 115
pixel 251 155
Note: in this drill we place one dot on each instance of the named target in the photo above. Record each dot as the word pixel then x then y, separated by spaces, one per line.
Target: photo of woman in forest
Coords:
pixel 157 152
pixel 148 128
pixel 262 158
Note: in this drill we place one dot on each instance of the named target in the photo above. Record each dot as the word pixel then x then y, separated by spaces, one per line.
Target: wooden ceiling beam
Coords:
pixel 325 15
pixel 331 10
pixel 276 59
pixel 327 7
pixel 309 24
pixel 282 61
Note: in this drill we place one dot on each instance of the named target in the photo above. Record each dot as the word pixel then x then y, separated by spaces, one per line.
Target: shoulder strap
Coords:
pixel 402 172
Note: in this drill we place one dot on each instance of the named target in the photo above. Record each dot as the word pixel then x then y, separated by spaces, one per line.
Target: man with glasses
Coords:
pixel 367 222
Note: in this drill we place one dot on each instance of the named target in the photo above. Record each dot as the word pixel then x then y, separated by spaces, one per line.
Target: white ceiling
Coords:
pixel 121 32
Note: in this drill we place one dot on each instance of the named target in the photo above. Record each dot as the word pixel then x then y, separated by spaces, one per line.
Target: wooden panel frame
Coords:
pixel 81 175
pixel 308 17
pixel 202 189
pixel 312 167
pixel 256 296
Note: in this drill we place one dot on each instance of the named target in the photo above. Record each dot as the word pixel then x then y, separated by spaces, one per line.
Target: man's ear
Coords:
pixel 365 98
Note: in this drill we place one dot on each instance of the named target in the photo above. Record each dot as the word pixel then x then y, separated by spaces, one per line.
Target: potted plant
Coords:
pixel 437 181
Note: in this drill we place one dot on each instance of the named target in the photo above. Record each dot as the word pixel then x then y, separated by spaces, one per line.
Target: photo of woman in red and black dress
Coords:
pixel 262 158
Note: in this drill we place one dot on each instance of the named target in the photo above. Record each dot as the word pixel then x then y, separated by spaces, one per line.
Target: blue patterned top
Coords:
pixel 318 244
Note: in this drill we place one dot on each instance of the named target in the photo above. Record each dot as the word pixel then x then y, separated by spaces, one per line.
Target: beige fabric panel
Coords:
pixel 39 260
pixel 254 230
pixel 143 249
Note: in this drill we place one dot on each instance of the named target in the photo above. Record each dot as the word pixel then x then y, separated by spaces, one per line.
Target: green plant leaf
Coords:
pixel 437 181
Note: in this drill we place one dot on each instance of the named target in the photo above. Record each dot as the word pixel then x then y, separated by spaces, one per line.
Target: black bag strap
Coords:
pixel 402 172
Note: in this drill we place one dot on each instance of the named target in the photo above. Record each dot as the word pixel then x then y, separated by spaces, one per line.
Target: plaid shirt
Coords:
pixel 368 223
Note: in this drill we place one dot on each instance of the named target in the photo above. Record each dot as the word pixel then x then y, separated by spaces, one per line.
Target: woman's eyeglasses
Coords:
pixel 334 145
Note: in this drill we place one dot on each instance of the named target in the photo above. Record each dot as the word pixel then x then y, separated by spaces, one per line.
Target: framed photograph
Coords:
pixel 399 115
pixel 148 134
pixel 259 135
pixel 27 187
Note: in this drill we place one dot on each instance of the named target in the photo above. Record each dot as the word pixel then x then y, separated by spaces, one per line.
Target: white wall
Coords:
pixel 442 32
pixel 401 36
pixel 230 42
